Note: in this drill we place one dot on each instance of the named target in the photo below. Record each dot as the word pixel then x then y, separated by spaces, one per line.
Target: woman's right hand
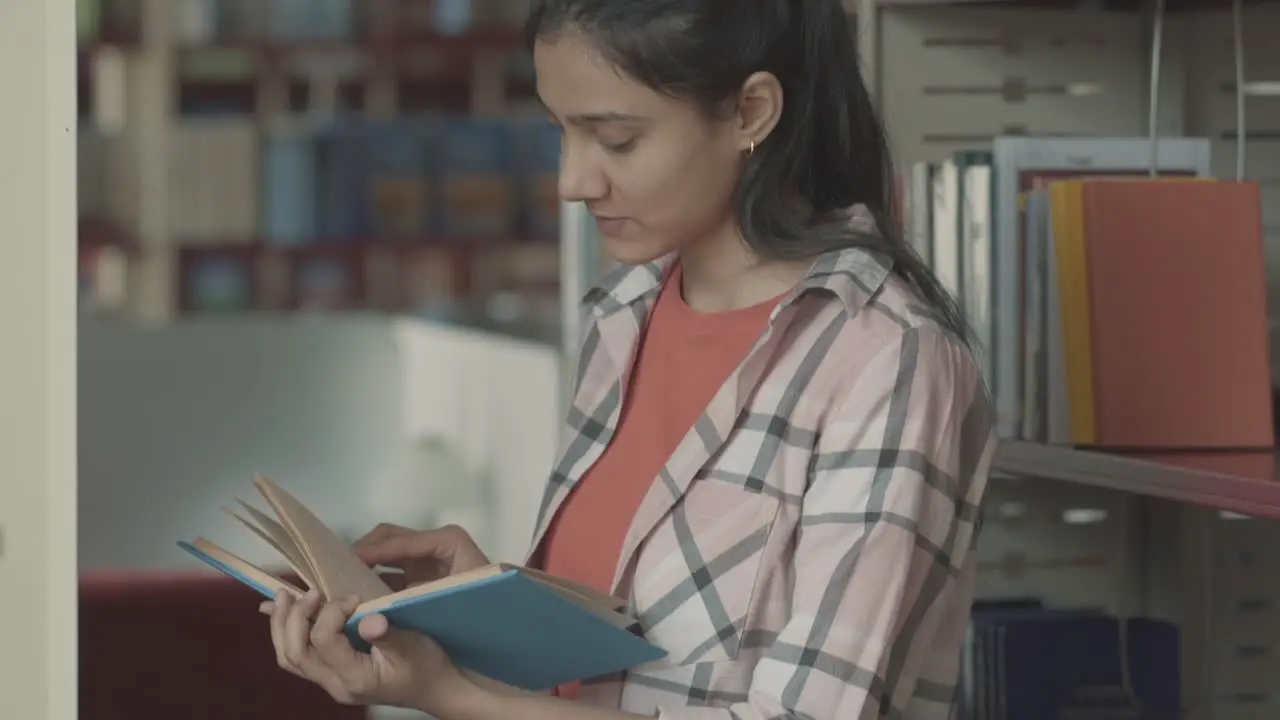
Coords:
pixel 422 555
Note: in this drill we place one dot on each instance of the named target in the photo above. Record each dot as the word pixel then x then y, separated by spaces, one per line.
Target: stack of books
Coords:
pixel 1022 661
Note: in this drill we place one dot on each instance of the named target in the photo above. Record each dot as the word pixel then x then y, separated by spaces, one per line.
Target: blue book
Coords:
pixel 516 625
pixel 1033 664
pixel 342 171
pixel 540 144
pixel 289 187
pixel 399 190
pixel 475 167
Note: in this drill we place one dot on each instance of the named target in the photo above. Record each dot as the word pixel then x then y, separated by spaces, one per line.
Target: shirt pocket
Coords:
pixel 696 578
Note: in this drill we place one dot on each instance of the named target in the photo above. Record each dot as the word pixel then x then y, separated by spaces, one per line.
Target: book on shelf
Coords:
pixel 1176 280
pixel 1018 164
pixel 1101 284
pixel 512 624
pixel 1028 661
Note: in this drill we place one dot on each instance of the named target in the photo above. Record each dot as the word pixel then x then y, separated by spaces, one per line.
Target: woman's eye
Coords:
pixel 620 148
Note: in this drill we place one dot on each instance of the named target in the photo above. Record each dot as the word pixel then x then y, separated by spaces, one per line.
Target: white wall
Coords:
pixel 174 422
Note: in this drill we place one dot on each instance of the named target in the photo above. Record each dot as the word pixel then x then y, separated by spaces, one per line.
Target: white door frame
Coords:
pixel 38 673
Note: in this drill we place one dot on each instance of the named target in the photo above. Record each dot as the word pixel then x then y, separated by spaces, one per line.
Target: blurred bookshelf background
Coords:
pixel 242 156
pixel 320 240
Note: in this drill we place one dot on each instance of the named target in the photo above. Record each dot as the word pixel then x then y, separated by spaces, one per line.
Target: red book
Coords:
pixel 1178 289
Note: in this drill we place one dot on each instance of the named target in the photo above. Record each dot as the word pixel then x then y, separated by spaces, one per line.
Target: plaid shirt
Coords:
pixel 807 552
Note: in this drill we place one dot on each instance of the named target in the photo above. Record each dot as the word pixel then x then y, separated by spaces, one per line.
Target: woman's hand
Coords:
pixel 423 555
pixel 404 669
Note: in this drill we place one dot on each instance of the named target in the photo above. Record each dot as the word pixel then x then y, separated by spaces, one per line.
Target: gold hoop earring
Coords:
pixel 751 149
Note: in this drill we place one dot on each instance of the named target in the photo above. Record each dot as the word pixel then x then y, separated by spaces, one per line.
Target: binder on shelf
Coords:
pixel 399 180
pixel 342 170
pixel 1038 663
pixel 289 186
pixel 1179 331
pixel 476 177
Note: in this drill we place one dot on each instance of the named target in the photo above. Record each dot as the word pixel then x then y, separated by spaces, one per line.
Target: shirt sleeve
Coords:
pixel 883 571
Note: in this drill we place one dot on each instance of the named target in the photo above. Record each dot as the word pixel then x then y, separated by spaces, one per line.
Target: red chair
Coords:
pixel 185 647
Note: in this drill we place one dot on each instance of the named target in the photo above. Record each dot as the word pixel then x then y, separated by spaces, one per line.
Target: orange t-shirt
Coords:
pixel 683 359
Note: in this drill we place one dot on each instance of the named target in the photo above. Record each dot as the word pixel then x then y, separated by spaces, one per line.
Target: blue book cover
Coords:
pixel 507 625
pixel 540 146
pixel 399 179
pixel 289 188
pixel 1063 666
pixel 1031 664
pixel 342 170
pixel 476 168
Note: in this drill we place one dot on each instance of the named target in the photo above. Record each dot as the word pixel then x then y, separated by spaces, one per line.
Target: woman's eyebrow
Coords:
pixel 597 118
pixel 594 118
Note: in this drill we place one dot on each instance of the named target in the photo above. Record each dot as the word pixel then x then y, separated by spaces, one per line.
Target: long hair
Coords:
pixel 829 147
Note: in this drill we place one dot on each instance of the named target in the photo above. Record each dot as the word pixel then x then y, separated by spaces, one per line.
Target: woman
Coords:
pixel 779 440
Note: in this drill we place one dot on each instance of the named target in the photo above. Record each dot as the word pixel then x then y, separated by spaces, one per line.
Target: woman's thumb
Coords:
pixel 392 643
pixel 373 628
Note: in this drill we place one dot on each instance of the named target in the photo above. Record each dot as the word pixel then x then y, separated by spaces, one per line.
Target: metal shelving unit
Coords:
pixel 1242 483
pixel 1185 537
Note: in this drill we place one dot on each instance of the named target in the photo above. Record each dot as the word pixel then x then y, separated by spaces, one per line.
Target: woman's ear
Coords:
pixel 759 109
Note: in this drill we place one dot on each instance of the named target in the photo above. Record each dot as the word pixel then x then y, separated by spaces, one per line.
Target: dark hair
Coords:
pixel 828 148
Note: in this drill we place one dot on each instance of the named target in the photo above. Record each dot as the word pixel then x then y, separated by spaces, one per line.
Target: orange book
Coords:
pixel 1071 255
pixel 1073 296
pixel 1177 298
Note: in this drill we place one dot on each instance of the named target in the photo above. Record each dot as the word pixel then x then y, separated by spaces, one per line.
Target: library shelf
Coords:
pixel 1241 482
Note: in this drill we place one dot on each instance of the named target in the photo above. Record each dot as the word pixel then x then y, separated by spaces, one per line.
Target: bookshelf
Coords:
pixel 204 122
pixel 1188 536
pixel 1185 538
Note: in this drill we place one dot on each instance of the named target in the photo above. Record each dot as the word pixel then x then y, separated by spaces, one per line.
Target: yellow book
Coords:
pixel 1066 198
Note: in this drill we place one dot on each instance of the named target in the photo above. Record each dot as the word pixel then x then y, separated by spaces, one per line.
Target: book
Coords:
pixel 512 624
pixel 1039 663
pixel 1017 162
pixel 1176 280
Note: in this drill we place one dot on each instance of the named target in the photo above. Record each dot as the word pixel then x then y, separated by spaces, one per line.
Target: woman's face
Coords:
pixel 654 172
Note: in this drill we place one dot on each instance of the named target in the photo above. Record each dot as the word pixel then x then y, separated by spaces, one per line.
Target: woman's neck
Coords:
pixel 722 273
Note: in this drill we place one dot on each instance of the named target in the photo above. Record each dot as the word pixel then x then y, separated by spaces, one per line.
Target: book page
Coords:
pixel 338 571
pixel 587 593
pixel 591 601
pixel 248 570
pixel 434 586
pixel 274 535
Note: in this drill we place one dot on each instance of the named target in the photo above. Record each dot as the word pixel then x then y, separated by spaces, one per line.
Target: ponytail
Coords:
pixel 852 167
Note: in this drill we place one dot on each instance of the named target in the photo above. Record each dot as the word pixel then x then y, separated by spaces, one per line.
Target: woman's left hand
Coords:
pixel 404 669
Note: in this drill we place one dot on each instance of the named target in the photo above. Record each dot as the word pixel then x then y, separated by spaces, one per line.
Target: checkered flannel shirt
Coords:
pixel 808 550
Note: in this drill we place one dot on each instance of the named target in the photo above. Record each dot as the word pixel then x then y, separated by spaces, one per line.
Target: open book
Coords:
pixel 512 624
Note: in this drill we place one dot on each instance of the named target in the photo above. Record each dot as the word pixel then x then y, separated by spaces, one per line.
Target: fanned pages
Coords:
pixel 518 626
pixel 275 536
pixel 338 570
pixel 247 571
